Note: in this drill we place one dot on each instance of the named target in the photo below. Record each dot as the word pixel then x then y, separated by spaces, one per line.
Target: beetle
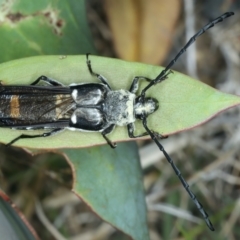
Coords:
pixel 92 107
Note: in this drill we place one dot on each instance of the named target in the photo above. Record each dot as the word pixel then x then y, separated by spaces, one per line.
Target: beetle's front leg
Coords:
pixel 131 130
pixel 135 83
pixel 156 81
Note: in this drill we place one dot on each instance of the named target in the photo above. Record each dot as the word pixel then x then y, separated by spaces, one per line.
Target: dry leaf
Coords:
pixel 142 30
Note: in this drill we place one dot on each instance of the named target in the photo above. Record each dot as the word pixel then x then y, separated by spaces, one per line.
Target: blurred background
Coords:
pixel 150 32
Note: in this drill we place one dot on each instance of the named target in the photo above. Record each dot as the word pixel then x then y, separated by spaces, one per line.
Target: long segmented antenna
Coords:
pixel 154 136
pixel 162 75
pixel 199 206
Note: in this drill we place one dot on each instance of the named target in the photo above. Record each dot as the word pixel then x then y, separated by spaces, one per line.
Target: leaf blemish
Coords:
pixel 51 15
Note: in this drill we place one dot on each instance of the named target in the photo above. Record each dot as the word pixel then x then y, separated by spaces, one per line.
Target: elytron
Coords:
pixel 92 107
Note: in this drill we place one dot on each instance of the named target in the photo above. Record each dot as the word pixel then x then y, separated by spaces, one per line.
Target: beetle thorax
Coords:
pixel 118 107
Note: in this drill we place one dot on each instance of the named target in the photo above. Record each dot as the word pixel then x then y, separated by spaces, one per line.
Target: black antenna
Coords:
pixel 155 136
pixel 163 74
pixel 199 206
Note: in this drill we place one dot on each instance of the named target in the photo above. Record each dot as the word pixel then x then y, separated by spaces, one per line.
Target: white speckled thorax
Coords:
pixel 119 106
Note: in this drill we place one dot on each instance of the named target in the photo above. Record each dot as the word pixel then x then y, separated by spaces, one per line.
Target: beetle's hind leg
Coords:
pixel 100 77
pixel 46 134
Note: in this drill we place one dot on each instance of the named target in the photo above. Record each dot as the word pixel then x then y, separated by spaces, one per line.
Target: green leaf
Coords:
pixel 44 27
pixel 13 225
pixel 110 182
pixel 183 102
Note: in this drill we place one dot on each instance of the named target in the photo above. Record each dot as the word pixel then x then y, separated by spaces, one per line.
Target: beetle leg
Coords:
pixel 131 130
pixel 107 131
pixel 47 80
pixel 158 135
pixel 100 77
pixel 153 82
pixel 134 86
pixel 47 134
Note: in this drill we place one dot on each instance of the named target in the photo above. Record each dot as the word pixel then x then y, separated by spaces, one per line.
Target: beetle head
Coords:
pixel 143 108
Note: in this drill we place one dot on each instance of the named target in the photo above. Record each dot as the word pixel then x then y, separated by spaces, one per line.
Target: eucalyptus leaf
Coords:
pixel 110 182
pixel 29 28
pixel 183 102
pixel 12 223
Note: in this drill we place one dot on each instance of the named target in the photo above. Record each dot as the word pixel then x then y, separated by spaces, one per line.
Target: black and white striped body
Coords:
pixel 90 107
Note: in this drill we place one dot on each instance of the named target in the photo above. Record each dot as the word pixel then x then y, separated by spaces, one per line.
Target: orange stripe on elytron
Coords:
pixel 14 104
